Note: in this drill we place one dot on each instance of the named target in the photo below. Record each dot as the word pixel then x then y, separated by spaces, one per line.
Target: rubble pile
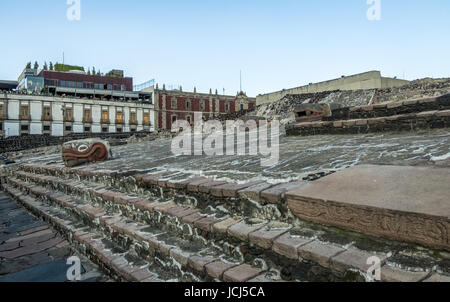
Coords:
pixel 284 108
pixel 415 90
pixel 418 89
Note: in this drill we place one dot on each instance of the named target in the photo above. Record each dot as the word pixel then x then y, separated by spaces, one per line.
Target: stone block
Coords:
pixel 231 190
pixel 205 224
pixel 277 194
pixel 338 124
pixel 265 237
pixel 443 113
pixel 354 259
pixel 223 226
pixel 351 199
pixel 242 230
pixel 361 122
pixel 437 278
pixel 287 245
pixel 318 252
pixel 216 269
pixel 191 219
pixel 426 114
pixel 393 274
pixel 241 273
pixel 207 187
pixel 254 192
pixel 194 185
pixel 198 263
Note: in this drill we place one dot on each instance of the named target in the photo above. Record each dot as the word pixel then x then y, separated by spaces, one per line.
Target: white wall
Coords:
pixel 36 111
pixel 57 115
pixel 13 110
pixel 96 129
pixel 35 128
pixel 78 113
pixel 11 128
pixel 12 125
pixel 57 129
pixel 78 128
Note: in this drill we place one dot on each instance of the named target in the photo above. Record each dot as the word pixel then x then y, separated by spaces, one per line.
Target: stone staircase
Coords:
pixel 409 115
pixel 166 226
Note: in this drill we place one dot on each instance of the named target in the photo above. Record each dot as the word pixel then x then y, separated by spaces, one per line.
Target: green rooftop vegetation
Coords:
pixel 65 68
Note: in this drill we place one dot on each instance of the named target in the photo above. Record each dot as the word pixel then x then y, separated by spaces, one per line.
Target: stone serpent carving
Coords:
pixel 79 152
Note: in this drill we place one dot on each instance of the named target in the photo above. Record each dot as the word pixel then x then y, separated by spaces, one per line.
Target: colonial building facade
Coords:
pixel 22 114
pixel 173 105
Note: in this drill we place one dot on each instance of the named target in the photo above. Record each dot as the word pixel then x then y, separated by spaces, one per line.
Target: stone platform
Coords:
pixel 400 203
pixel 31 251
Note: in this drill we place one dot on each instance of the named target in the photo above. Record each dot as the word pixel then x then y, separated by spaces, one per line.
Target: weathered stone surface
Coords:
pixel 319 252
pixel 207 187
pixel 242 230
pixel 111 196
pixel 152 179
pixel 241 273
pixel 349 123
pixel 205 224
pixel 191 219
pixel 354 259
pixel 394 105
pixel 231 190
pixel 426 114
pixel 288 245
pixel 216 269
pixel 361 122
pixel 198 263
pixel 180 256
pixel 223 226
pixel 265 278
pixel 277 194
pixel 438 278
pixel 393 274
pixel 164 206
pixel 413 207
pixel 91 211
pixel 194 185
pixel 146 205
pixel 34 230
pixel 265 237
pixel 32 249
pixel 173 184
pixel 180 212
pixel 254 192
pixel 443 113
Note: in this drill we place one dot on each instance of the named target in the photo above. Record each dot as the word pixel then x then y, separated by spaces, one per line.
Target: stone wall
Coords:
pixel 390 109
pixel 367 80
pixel 405 122
pixel 14 144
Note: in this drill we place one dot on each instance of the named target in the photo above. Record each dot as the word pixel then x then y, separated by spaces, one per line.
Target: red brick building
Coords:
pixel 172 105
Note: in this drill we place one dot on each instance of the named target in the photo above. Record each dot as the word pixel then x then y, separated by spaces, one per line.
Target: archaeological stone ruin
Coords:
pixel 363 176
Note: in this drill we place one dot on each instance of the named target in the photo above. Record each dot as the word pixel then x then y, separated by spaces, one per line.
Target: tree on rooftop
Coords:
pixel 51 66
pixel 93 70
pixel 45 66
pixel 89 71
pixel 36 65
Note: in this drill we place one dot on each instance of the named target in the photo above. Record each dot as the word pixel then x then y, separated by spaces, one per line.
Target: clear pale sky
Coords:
pixel 204 43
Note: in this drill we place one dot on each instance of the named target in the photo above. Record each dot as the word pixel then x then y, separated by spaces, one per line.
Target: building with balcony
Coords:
pixel 173 105
pixel 24 114
pixel 113 86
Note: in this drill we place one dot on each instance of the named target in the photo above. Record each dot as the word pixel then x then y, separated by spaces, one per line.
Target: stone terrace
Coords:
pixel 149 216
